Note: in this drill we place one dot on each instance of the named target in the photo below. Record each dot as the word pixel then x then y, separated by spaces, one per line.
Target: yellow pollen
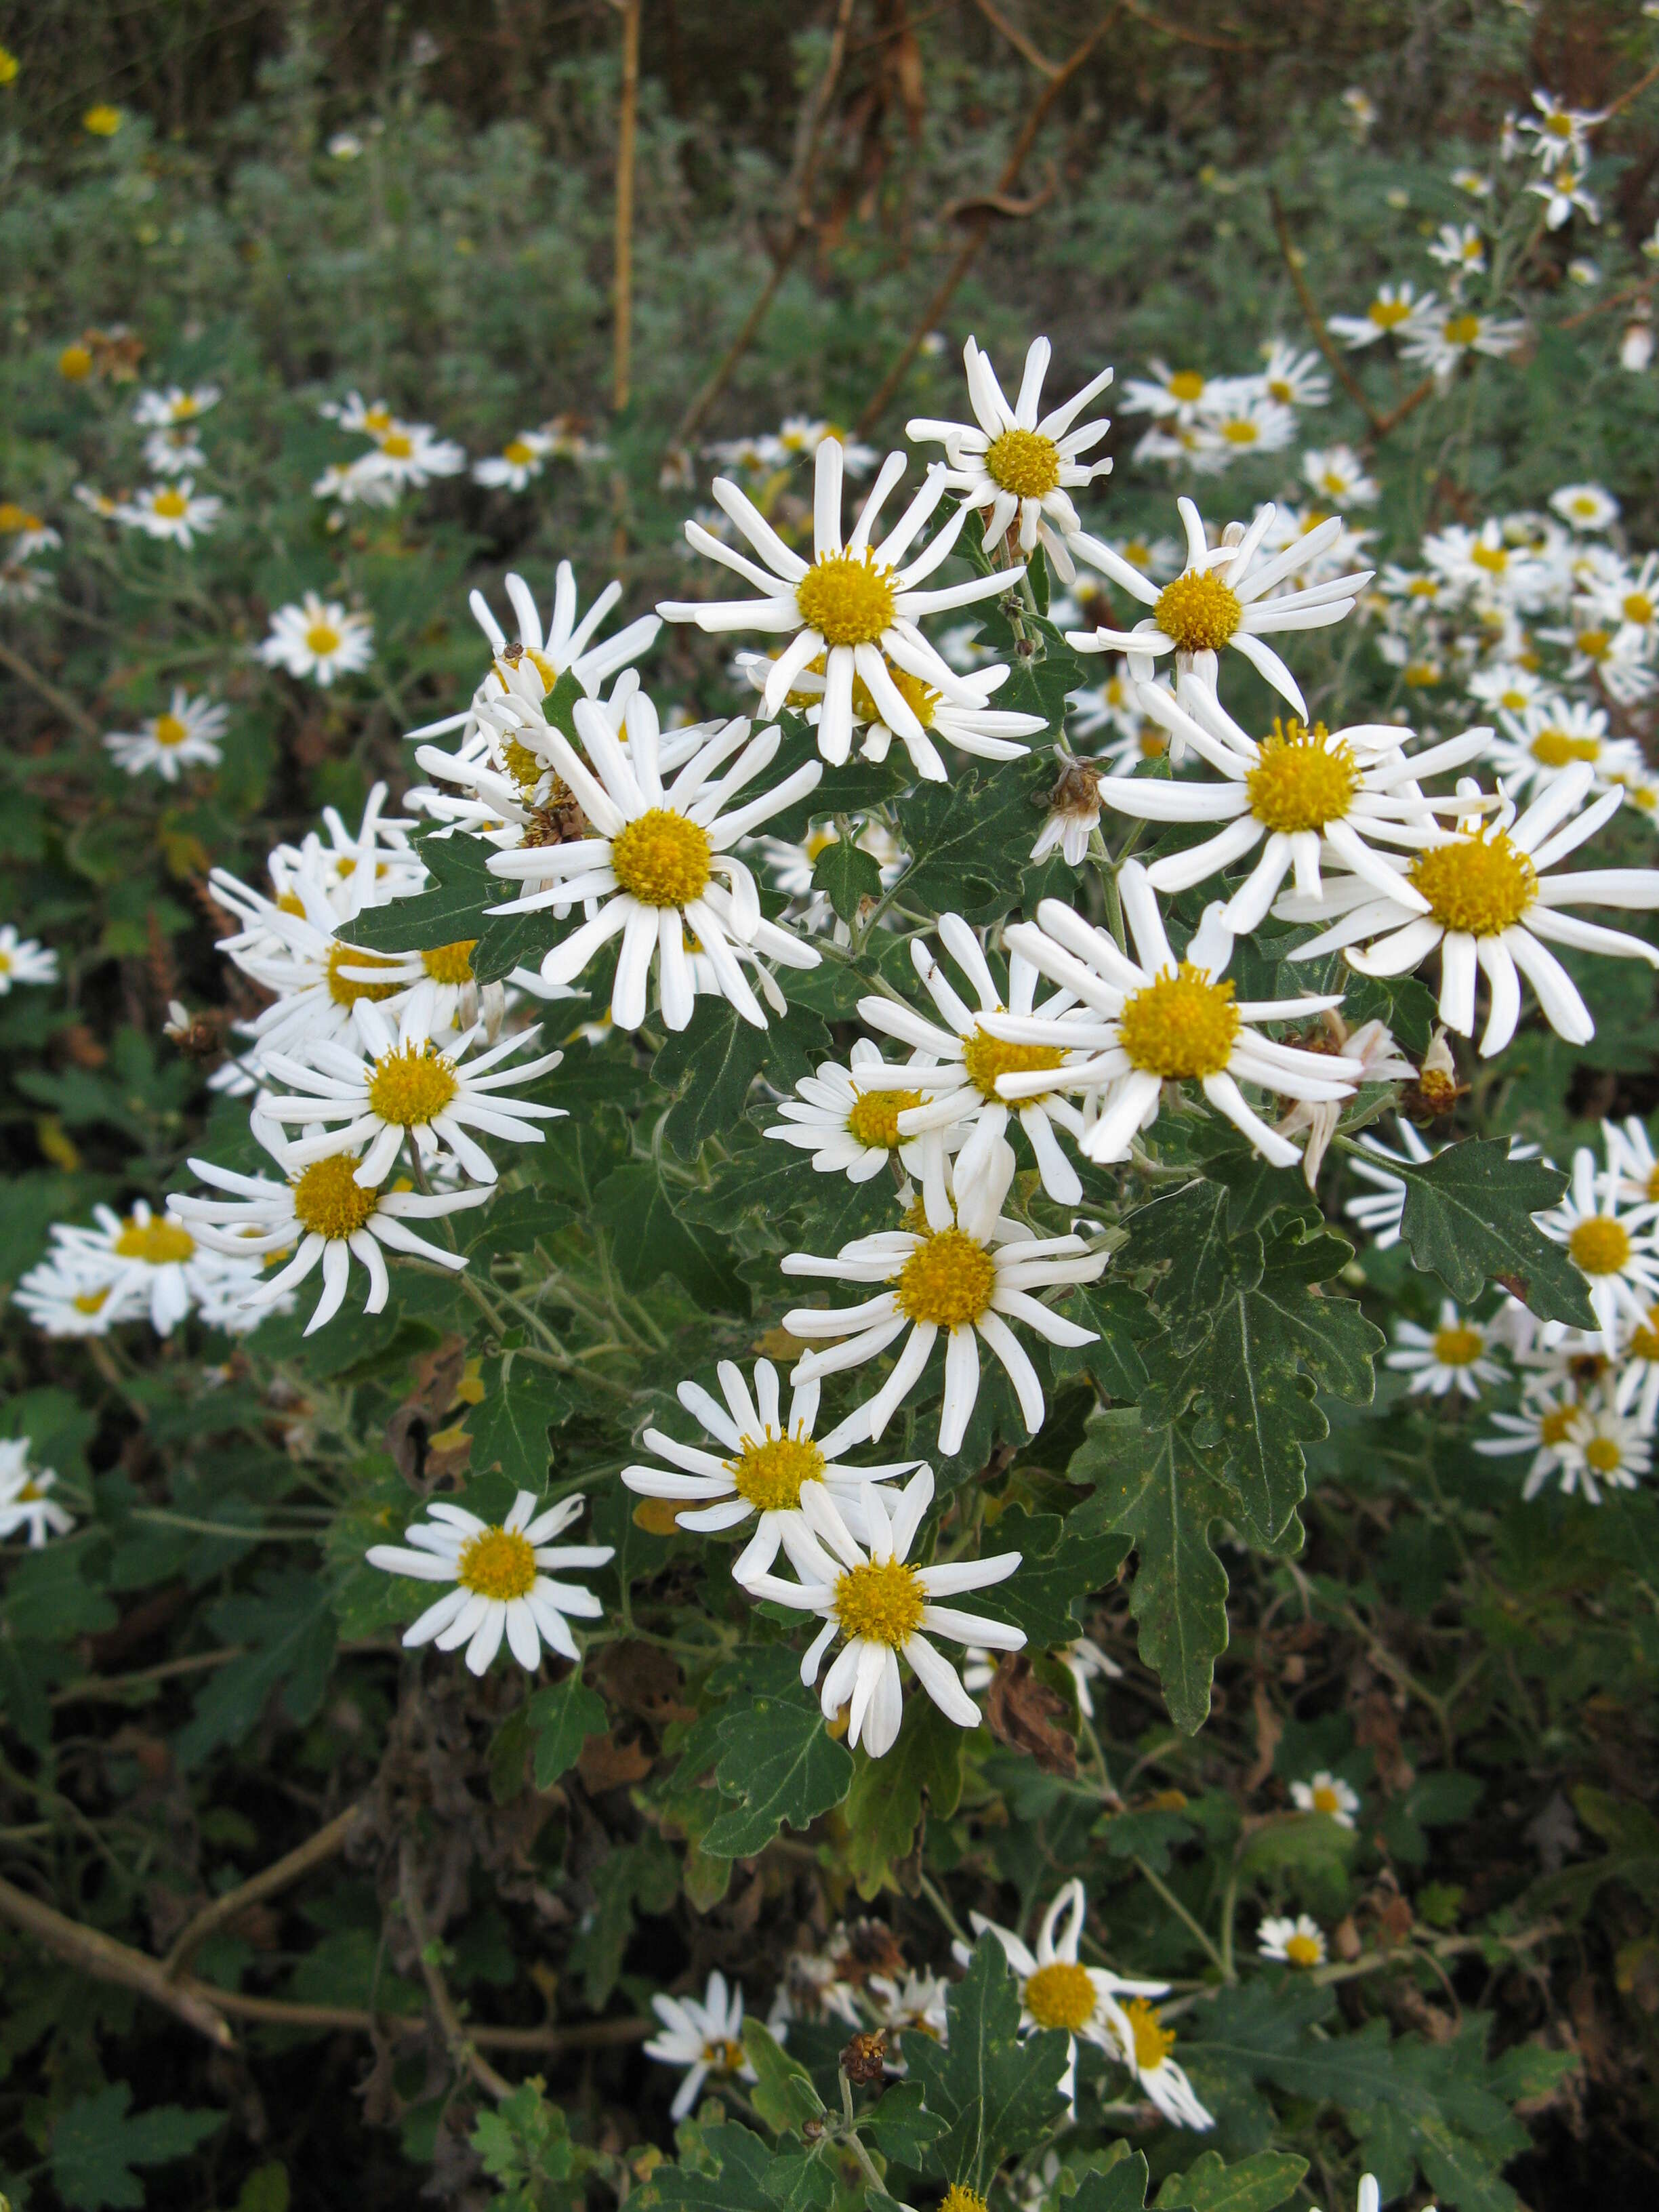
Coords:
pixel 1303 1950
pixel 1326 1800
pixel 1592 644
pixel 1153 2041
pixel 958 2197
pixel 1637 607
pixel 376 419
pixel 1240 431
pixel 410 1084
pixel 1388 314
pixel 169 730
pixel 518 453
pixel 91 1301
pixel 1180 1025
pixel 526 767
pixel 1198 611
pixel 986 1057
pixel 1602 1454
pixel 1601 1245
pixel 1482 885
pixel 1024 462
pixel 1494 559
pixel 923 702
pixel 1061 1996
pixel 499 1563
pixel 881 1602
pixel 947 1280
pixel 724 2057
pixel 1186 385
pixel 768 1475
pixel 398 445
pixel 322 638
pixel 29 1490
pixel 1461 329
pixel 1302 781
pixel 1558 125
pixel 326 1199
pixel 662 857
pixel 847 598
pixel 170 505
pixel 157 1242
pixel 450 964
pixel 1644 1338
pixel 873 1120
pixel 74 364
pixel 1558 749
pixel 1458 1346
pixel 1152 744
pixel 349 971
pixel 1556 1427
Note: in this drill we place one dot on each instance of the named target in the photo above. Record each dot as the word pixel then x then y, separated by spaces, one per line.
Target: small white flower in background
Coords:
pixel 1614 1245
pixel 1636 340
pixel 804 434
pixel 20 585
pixel 1291 1942
pixel 1442 344
pixel 1563 191
pixel 1397 311
pixel 133 1266
pixel 174 452
pixel 1487 565
pixel 519 459
pixel 1460 246
pixel 884 1607
pixel 361 482
pixel 1338 474
pixel 1171 395
pixel 1543 1425
pixel 354 413
pixel 65 1299
pixel 184 736
pixel 28 533
pixel 1219 599
pixel 1295 376
pixel 23 1500
pixel 1474 182
pixel 345 146
pixel 1083 1660
pixel 1362 110
pixel 24 959
pixel 762 1465
pixel 1245 421
pixel 1557 132
pixel 1618 659
pixel 855 605
pixel 1586 506
pixel 1602 1449
pixel 849 1126
pixel 319 639
pixel 1328 1794
pixel 1553 735
pixel 703 2035
pixel 1381 1060
pixel 1017 465
pixel 411 454
pixel 1453 1356
pixel 1633 1169
pixel 161 410
pixel 1504 684
pixel 170 511
pixel 914 2005
pixel 501 1585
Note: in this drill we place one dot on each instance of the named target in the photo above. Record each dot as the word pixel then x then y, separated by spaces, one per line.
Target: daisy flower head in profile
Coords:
pixel 1546 739
pixel 1154 1020
pixel 164 410
pixel 505 1580
pixel 849 1125
pixel 24 1503
pixel 1299 1941
pixel 24 959
pixel 1056 1990
pixel 1442 341
pixel 1295 376
pixel 171 511
pixel 1603 1449
pixel 1613 1244
pixel 519 459
pixel 316 638
pixel 1338 474
pixel 761 1462
pixel 855 605
pixel 174 452
pixel 321 1215
pixel 969 1280
pixel 184 736
pixel 1588 508
pixel 1328 1794
pixel 1220 600
pixel 1144 2045
pixel 967 721
pixel 1015 464
pixel 1451 1357
pixel 1482 893
pixel 1396 311
pixel 703 2034
pixel 648 860
pixel 884 1608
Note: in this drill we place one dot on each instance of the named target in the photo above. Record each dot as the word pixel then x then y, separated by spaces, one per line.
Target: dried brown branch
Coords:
pixel 1218 40
pixel 463 2050
pixel 25 672
pixel 1635 92
pixel 91 1952
pixel 279 1875
pixel 95 1687
pixel 1310 315
pixel 627 132
pixel 1017 38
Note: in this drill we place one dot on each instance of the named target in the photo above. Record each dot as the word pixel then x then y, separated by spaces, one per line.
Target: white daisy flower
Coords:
pixel 1542 1424
pixel 317 638
pixel 1505 684
pixel 1016 464
pixel 1218 600
pixel 1585 506
pixel 519 459
pixel 703 2035
pixel 1559 129
pixel 1546 739
pixel 849 1126
pixel 1481 894
pixel 162 410
pixel 1632 1165
pixel 1443 344
pixel 762 1464
pixel 1565 194
pixel 1450 1357
pixel 1056 1990
pixel 968 720
pixel 804 434
pixel 321 1214
pixel 1328 1794
pixel 1174 395
pixel 1396 311
pixel 1614 1245
pixel 361 483
pixel 1619 658
pixel 1144 2046
pixel 1602 1449
pixel 1295 376
pixel 1338 474
pixel 23 1500
pixel 171 511
pixel 855 605
pixel 29 533
pixel 1248 423
pixel 186 736
pixel 354 413
pixel 1158 1021
pixel 147 1265
pixel 913 2005
pixel 970 1279
pixel 24 959
pixel 412 454
pixel 403 1086
pixel 63 1298
pixel 174 452
pixel 501 1585
pixel 870 1596
pixel 1636 1380
pixel 648 862
pixel 1291 1942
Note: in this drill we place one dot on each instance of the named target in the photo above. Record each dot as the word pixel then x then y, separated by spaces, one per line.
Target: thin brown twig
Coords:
pixel 96 1686
pixel 627 132
pixel 279 1875
pixel 1017 38
pixel 1217 39
pixel 463 2051
pixel 1310 315
pixel 1635 92
pixel 92 1951
pixel 980 223
pixel 26 673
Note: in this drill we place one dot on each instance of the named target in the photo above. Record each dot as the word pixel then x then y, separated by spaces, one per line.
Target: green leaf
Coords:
pixel 995 2095
pixel 848 874
pixel 562 1719
pixel 783 2094
pixel 266 2189
pixel 1062 1563
pixel 741 2161
pixel 1121 2187
pixel 525 2146
pixel 901 2127
pixel 288 1624
pixel 884 1804
pixel 1254 2184
pixel 651 1239
pixel 451 910
pixel 710 1065
pixel 508 1426
pixel 644 1877
pixel 778 1758
pixel 96 2145
pixel 970 839
pixel 1185 1233
pixel 1469 1216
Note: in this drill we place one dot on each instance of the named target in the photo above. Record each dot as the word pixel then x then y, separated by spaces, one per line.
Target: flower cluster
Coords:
pixel 400 457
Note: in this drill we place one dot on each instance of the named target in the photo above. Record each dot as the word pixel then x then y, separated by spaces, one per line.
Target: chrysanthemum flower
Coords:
pixel 702 2036
pixel 163 411
pixel 1174 395
pixel 855 605
pixel 24 1503
pixel 1292 1943
pixel 1558 130
pixel 1613 1245
pixel 1338 474
pixel 171 511
pixel 519 459
pixel 24 959
pixel 1585 506
pixel 1248 422
pixel 1546 738
pixel 966 721
pixel 318 638
pixel 1542 1424
pixel 1450 1357
pixel 1396 311
pixel 1144 2046
pixel 1603 1449
pixel 411 453
pixel 186 736
pixel 1441 344
pixel 501 1585
pixel 139 1264
pixel 1294 375
pixel 174 452
pixel 849 1125
pixel 1328 1794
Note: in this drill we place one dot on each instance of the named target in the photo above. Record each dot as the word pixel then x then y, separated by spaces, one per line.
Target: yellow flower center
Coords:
pixel 411 1084
pixel 499 1563
pixel 1554 1428
pixel 1482 885
pixel 326 1199
pixel 158 1242
pixel 1024 462
pixel 1637 607
pixel 986 1057
pixel 1601 1245
pixel 1461 329
pixel 30 1491
pixel 1325 1799
pixel 882 1602
pixel 1558 125
pixel 15 517
pixel 526 767
pixel 1644 1338
pixel 947 1280
pixel 398 445
pixel 662 857
pixel 170 505
pixel 349 971
pixel 1186 385
pixel 1388 314
pixel 1061 1996
pixel 1458 1346
pixel 376 419
pixel 1592 644
pixel 768 1475
pixel 102 122
pixel 1494 559
pixel 450 964
pixel 1198 611
pixel 847 597
pixel 1153 2041
pixel 958 2197
pixel 724 2057
pixel 518 453
pixel 922 701
pixel 169 730
pixel 1602 1454
pixel 1152 744
pixel 1303 1950
pixel 1239 430
pixel 873 1120
pixel 1302 779
pixel 322 638
pixel 91 1301
pixel 1181 1024
pixel 74 364
pixel 1558 749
